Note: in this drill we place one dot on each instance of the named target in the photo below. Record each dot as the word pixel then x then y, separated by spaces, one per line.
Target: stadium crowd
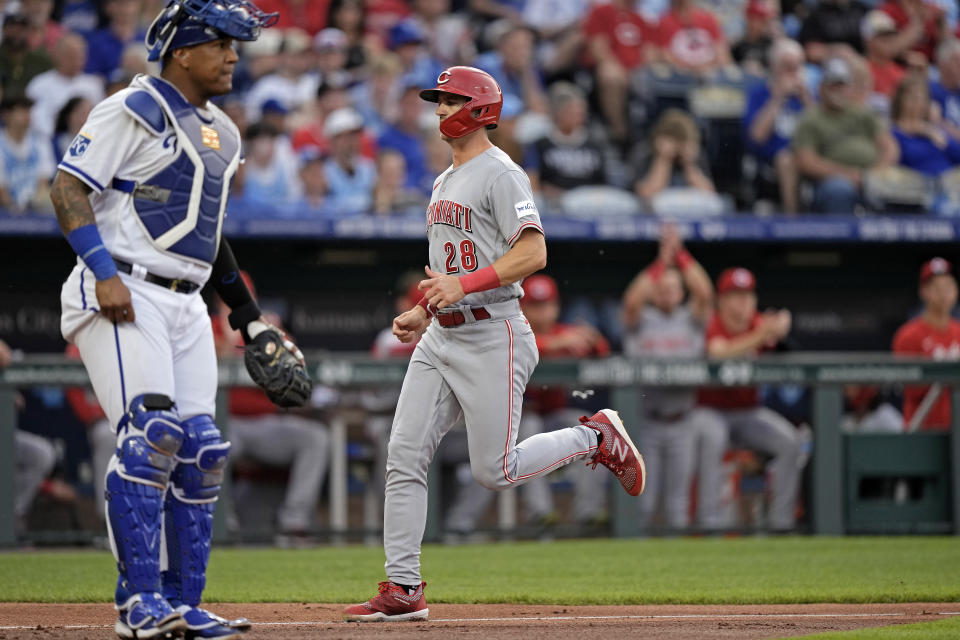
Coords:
pixel 668 107
pixel 619 107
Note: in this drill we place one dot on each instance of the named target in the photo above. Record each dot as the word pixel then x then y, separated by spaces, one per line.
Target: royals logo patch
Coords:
pixel 79 145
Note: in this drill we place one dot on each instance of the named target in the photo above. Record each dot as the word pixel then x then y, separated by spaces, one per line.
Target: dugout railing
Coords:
pixel 835 457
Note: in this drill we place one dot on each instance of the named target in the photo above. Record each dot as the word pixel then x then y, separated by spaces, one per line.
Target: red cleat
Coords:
pixel 617 451
pixel 392 604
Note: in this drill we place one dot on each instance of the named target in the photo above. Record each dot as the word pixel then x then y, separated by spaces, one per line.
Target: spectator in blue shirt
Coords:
pixel 924 146
pixel 107 44
pixel 946 93
pixel 26 160
pixel 404 136
pixel 513 64
pixel 270 177
pixel 315 200
pixel 406 39
pixel 350 176
pixel 773 109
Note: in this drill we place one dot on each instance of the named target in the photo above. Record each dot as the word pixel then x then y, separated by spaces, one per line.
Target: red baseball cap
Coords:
pixel 736 279
pixel 540 288
pixel 935 267
pixel 760 9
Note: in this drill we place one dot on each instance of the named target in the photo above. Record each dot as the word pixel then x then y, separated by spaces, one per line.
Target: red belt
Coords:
pixel 457 318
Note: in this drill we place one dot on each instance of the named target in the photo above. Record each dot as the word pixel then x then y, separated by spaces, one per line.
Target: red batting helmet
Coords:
pixel 485 97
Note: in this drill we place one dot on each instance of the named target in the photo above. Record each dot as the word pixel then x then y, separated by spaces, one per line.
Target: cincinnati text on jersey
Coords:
pixel 449 213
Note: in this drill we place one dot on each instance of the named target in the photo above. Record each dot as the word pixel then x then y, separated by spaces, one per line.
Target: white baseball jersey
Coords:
pixel 476 213
pixel 113 143
pixel 160 171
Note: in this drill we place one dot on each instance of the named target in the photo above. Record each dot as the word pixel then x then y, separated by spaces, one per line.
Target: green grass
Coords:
pixel 940 630
pixel 696 571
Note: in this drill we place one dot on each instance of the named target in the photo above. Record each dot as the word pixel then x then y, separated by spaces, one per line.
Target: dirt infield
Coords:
pixel 20 621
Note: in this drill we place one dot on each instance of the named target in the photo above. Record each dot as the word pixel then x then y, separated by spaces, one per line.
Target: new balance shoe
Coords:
pixel 204 624
pixel 617 451
pixel 391 604
pixel 148 615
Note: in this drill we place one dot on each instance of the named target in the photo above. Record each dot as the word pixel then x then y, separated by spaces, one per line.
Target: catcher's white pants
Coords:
pixel 168 349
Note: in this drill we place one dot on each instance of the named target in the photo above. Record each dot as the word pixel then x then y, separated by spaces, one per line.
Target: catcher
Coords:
pixel 140 196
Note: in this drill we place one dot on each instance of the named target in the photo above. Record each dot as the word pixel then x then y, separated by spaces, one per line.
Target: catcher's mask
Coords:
pixel 184 23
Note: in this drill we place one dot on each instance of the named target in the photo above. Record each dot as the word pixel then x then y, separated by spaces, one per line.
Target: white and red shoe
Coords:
pixel 391 604
pixel 617 451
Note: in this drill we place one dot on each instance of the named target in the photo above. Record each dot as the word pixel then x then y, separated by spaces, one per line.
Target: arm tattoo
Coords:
pixel 69 196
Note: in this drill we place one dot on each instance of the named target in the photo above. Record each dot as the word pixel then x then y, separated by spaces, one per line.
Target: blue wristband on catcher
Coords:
pixel 87 243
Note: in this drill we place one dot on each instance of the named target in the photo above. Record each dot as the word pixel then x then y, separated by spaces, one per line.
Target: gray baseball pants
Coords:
pixel 479 369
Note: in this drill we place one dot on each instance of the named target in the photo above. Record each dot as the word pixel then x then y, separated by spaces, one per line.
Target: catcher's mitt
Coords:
pixel 277 366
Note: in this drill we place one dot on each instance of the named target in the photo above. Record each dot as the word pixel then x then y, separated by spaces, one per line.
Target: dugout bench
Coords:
pixel 924 467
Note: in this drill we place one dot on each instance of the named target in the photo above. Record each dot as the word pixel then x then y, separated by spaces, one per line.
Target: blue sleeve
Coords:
pixel 953 151
pixel 757 96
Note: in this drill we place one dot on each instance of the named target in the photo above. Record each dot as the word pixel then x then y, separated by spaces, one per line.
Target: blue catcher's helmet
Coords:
pixel 184 23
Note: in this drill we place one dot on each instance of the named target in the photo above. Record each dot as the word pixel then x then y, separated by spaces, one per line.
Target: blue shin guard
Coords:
pixel 188 510
pixel 148 436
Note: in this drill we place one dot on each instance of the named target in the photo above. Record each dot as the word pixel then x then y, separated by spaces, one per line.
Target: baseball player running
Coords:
pixel 140 196
pixel 478 350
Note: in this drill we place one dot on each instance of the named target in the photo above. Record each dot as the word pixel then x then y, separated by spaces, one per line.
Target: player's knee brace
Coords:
pixel 188 510
pixel 148 437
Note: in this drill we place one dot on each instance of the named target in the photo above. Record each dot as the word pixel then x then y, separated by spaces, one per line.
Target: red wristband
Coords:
pixel 656 269
pixel 426 305
pixel 683 259
pixel 481 280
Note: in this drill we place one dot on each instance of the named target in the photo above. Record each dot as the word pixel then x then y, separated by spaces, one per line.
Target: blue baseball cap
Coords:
pixel 274 106
pixel 185 23
pixel 404 32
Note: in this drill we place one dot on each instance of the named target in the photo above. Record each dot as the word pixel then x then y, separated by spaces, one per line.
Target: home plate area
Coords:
pixel 651 622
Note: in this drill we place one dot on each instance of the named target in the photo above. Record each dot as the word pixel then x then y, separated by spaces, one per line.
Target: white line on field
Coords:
pixel 681 616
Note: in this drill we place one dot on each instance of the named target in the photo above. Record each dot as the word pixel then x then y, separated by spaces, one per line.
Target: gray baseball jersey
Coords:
pixel 476 213
pixel 668 426
pixel 478 369
pixel 661 335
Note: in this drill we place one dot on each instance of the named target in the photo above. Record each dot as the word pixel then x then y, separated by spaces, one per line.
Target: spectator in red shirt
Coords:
pixel 310 136
pixel 309 15
pixel 618 41
pixel 260 431
pixel 920 25
pixel 935 333
pixel 43 30
pixel 738 331
pixel 879 35
pixel 691 39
